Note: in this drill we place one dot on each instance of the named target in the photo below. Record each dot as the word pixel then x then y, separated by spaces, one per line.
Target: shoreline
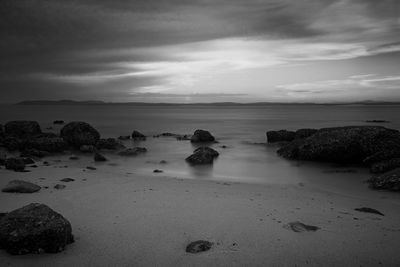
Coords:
pixel 133 219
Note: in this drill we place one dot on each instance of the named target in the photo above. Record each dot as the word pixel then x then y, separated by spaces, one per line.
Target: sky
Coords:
pixel 200 50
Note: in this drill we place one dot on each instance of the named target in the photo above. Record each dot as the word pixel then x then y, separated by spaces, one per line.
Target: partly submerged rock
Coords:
pixel 202 155
pixel 109 144
pixel 199 246
pixel 58 122
pixel 385 166
pixel 79 133
pixel 87 149
pixel 34 228
pixel 66 180
pixel 15 164
pixel 132 151
pixel 202 136
pixel 388 181
pixel 35 153
pixel 301 227
pixel 22 129
pixel 369 210
pixel 280 136
pixel 158 171
pixel 351 144
pixel 136 135
pixel 49 144
pixel 99 157
pixel 20 186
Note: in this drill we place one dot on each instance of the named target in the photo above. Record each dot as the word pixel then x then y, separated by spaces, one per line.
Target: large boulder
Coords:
pixel 15 164
pixel 22 129
pixel 79 133
pixel 202 136
pixel 351 144
pixel 136 135
pixel 34 228
pixel 109 144
pixel 288 136
pixel 280 136
pixel 132 151
pixel 20 186
pixel 387 181
pixel 386 165
pixel 202 155
pixel 49 144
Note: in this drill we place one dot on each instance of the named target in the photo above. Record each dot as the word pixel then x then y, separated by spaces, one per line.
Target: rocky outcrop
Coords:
pixel 352 144
pixel 202 155
pixel 109 144
pixel 79 133
pixel 387 181
pixel 202 136
pixel 288 136
pixel 136 135
pixel 20 186
pixel 15 164
pixel 87 149
pixel 385 166
pixel 22 129
pixel 34 153
pixel 280 136
pixel 133 151
pixel 34 228
pixel 48 144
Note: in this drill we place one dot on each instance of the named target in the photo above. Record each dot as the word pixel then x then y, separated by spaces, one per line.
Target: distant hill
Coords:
pixel 95 102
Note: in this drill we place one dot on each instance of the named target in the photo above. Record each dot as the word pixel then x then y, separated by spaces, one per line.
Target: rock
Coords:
pixel 73 157
pixel 47 143
pixel 199 246
pixel 58 122
pixel 351 144
pixel 385 166
pixel 280 136
pixel 59 186
pixel 22 129
pixel 13 143
pixel 202 155
pixel 79 133
pixel 376 121
pixel 27 160
pixel 67 180
pixel 369 210
pixel 158 171
pixel 91 168
pixel 3 158
pixel 87 149
pixel 32 152
pixel 163 162
pixel 15 164
pixel 138 136
pixel 301 227
pixel 124 137
pixel 388 181
pixel 99 157
pixel 304 133
pixel 185 137
pixel 19 186
pixel 34 228
pixel 202 136
pixel 132 151
pixel 110 144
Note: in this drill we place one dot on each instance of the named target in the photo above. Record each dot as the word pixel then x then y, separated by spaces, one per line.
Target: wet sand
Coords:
pixel 137 219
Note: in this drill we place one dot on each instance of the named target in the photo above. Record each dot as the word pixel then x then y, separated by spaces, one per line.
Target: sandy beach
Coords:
pixel 134 219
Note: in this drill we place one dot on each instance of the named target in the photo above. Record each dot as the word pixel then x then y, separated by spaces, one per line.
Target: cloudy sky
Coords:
pixel 200 50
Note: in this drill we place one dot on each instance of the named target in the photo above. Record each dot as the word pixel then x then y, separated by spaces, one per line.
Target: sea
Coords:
pixel 240 129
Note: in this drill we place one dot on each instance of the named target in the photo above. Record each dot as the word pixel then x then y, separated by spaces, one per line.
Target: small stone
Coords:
pixel 301 227
pixel 199 246
pixel 157 171
pixel 91 168
pixel 20 186
pixel 59 186
pixel 66 180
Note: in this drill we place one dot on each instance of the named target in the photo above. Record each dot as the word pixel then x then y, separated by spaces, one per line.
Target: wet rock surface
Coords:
pixel 199 246
pixel 15 164
pixel 136 135
pixel 369 210
pixel 34 228
pixel 22 129
pixel 79 133
pixel 386 181
pixel 20 186
pixel 202 136
pixel 301 227
pixel 385 166
pixel 202 155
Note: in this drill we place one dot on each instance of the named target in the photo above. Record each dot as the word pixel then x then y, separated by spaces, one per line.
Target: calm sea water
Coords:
pixel 240 128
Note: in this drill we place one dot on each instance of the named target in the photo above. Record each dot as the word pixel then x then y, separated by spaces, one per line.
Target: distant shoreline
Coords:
pixel 93 102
